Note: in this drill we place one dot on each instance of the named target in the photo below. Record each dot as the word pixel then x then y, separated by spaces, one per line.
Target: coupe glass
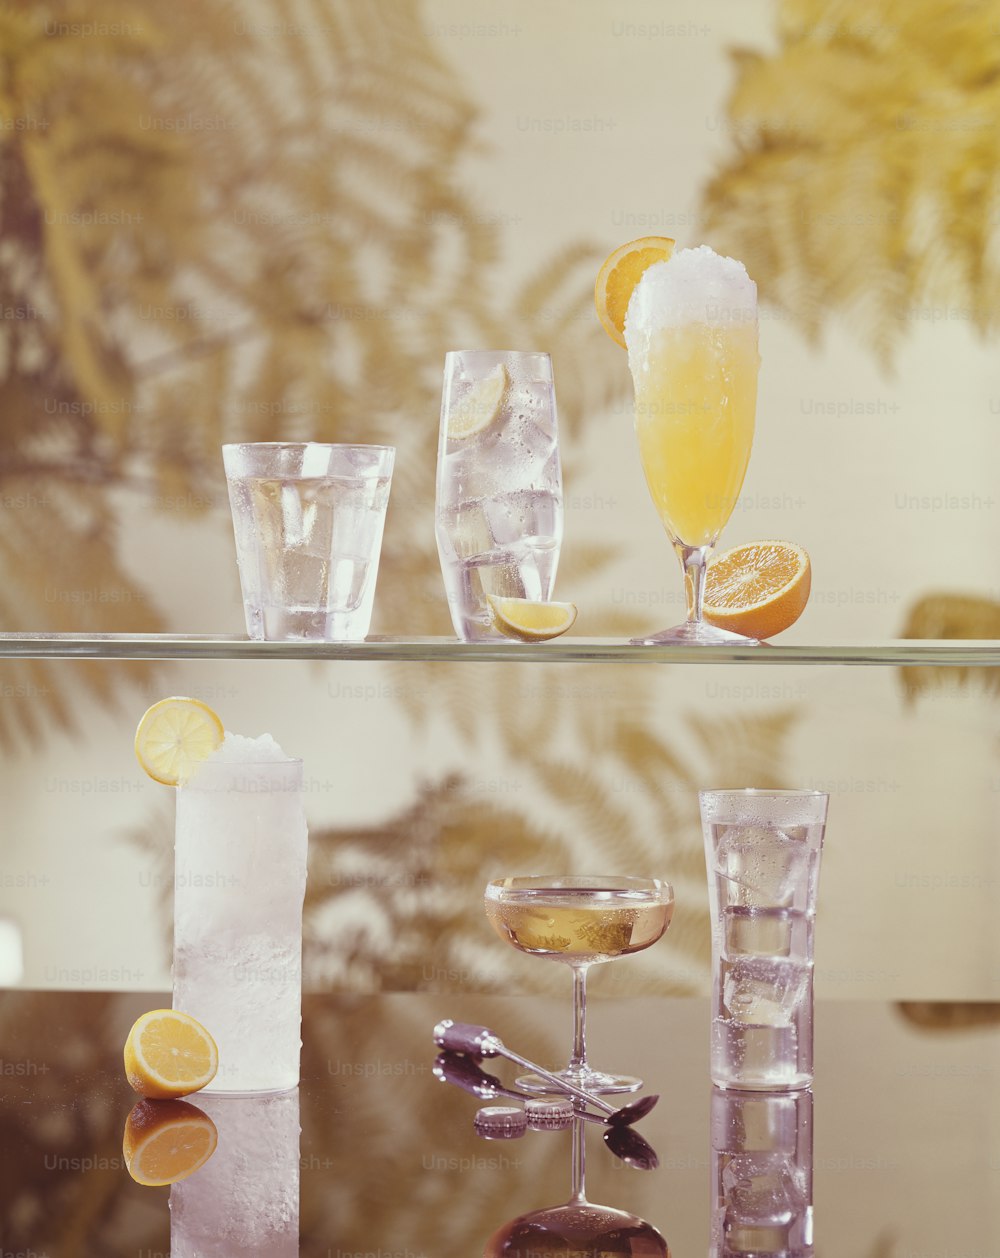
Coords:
pixel 581 921
pixel 692 343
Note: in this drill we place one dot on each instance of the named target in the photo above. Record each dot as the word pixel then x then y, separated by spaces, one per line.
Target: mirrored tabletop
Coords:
pixel 374 1155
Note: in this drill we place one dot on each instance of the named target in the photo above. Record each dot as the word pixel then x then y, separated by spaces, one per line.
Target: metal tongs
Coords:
pixel 463 1041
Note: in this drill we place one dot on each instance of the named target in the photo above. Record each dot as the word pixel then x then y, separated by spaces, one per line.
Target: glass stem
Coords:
pixel 693 560
pixel 578 1062
pixel 579 1165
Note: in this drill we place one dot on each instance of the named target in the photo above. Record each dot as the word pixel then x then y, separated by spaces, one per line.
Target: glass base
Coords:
pixel 696 633
pixel 595 1081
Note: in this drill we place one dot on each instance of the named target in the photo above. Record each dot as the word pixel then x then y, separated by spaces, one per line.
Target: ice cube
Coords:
pixel 294 522
pixel 502 580
pixel 764 865
pixel 529 442
pixel 763 1189
pixel 763 992
pixel 467 530
pixel 522 517
pixel 753 1056
pixel 347 583
pixel 757 933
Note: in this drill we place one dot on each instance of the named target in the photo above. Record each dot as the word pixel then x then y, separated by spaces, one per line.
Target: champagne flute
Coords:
pixel 691 333
pixel 581 921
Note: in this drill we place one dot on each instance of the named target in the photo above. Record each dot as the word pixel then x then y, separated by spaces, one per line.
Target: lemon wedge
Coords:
pixel 528 621
pixel 479 408
pixel 174 736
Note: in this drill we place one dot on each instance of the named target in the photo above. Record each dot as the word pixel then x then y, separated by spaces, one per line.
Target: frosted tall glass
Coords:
pixel 240 876
pixel 763 852
pixel 244 1202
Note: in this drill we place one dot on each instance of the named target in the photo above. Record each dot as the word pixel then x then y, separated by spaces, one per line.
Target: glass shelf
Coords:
pixel 120 646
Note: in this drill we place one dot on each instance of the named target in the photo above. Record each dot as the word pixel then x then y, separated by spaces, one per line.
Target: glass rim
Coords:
pixel 291 763
pixel 761 792
pixel 549 882
pixel 302 445
pixel 526 353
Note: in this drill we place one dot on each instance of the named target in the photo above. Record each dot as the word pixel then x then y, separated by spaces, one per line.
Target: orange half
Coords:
pixel 758 589
pixel 617 279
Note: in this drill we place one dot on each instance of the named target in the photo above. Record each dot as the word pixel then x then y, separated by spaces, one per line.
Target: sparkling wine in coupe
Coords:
pixel 581 921
pixel 578 924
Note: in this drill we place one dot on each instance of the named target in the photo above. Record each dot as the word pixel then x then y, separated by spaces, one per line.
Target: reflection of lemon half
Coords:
pixel 168 1054
pixel 529 621
pixel 481 405
pixel 166 1141
pixel 174 736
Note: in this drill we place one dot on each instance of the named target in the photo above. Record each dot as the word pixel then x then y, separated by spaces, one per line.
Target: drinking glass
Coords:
pixel 694 366
pixel 581 921
pixel 239 885
pixel 308 520
pixel 579 1227
pixel 763 850
pixel 499 511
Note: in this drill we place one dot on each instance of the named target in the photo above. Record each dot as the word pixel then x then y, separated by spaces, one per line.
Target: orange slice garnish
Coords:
pixel 617 279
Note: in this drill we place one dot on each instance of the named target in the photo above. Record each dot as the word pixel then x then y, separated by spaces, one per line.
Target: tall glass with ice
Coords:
pixel 763 854
pixel 240 876
pixel 499 507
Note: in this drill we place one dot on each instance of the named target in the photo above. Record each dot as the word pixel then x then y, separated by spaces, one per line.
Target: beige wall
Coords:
pixel 588 130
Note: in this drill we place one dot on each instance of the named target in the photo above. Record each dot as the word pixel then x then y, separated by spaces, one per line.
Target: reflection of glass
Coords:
pixel 244 1202
pixel 762 1184
pixel 240 874
pixel 582 921
pixel 499 504
pixel 692 346
pixel 579 1227
pixel 763 850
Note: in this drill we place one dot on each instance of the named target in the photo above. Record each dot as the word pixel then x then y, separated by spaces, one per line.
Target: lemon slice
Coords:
pixel 174 736
pixel 166 1141
pixel 529 621
pixel 480 407
pixel 169 1054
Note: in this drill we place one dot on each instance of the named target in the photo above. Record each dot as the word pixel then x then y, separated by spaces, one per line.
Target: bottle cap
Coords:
pixel 548 1115
pixel 500 1122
